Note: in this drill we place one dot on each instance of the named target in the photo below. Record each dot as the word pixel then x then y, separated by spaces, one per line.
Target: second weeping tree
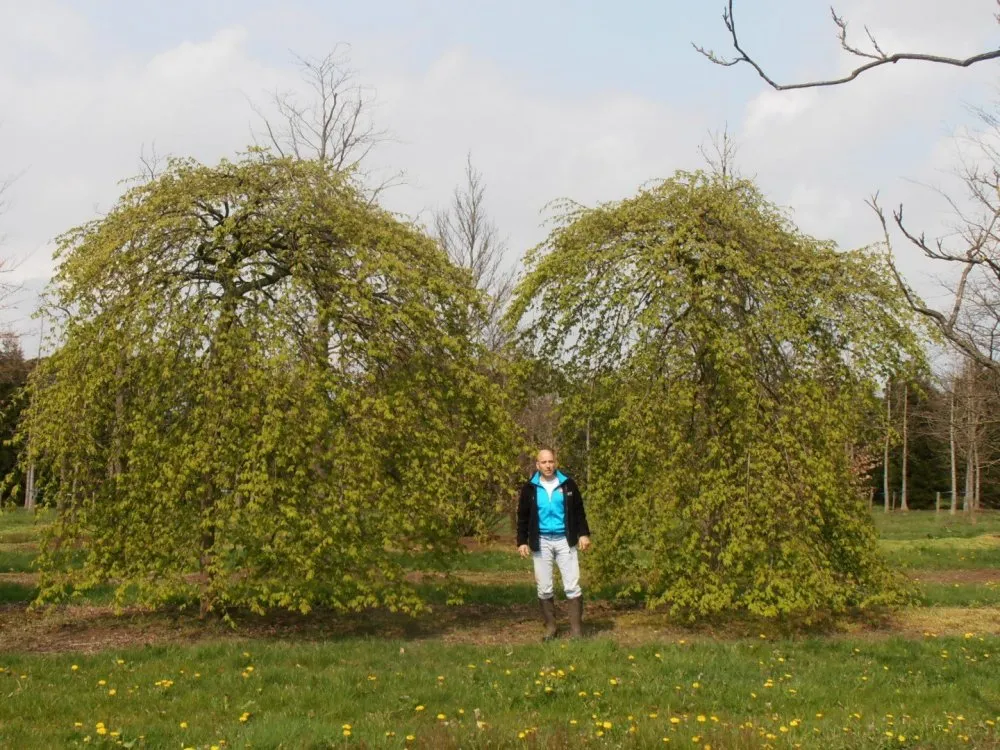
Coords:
pixel 727 366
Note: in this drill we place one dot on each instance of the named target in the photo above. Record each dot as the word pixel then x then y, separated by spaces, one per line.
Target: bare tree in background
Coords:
pixel 472 241
pixel 873 56
pixel 720 153
pixel 333 125
pixel 973 322
pixel 972 250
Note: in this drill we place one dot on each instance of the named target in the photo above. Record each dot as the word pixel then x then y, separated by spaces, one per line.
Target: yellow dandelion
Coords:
pixel 701 718
pixel 419 708
pixel 184 725
pixel 441 717
pixel 75 667
pixel 112 692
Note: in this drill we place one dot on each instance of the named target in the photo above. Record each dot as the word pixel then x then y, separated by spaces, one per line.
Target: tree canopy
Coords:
pixel 263 390
pixel 724 365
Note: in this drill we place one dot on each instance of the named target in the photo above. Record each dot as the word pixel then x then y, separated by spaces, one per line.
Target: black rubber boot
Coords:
pixel 548 607
pixel 575 607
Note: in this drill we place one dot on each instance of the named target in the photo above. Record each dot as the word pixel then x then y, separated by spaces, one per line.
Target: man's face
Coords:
pixel 546 464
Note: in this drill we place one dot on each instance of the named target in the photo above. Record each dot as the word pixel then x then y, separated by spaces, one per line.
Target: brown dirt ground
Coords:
pixel 89 629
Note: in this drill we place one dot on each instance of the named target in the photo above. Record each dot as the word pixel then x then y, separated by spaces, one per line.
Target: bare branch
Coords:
pixel 334 126
pixel 876 57
pixel 721 154
pixel 471 239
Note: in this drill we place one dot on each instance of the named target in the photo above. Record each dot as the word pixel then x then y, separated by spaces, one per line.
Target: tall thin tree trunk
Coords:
pixel 29 480
pixel 951 447
pixel 969 473
pixel 977 494
pixel 885 456
pixel 903 504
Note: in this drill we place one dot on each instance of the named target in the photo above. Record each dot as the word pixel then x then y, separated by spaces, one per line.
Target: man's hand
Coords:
pixel 584 542
pixel 524 550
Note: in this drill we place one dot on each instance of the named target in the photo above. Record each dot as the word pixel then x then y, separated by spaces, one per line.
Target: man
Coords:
pixel 551 524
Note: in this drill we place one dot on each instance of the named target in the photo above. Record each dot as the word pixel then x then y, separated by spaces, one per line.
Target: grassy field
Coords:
pixel 476 676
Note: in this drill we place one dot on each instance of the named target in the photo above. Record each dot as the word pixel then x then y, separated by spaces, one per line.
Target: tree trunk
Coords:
pixel 969 473
pixel 29 488
pixel 951 447
pixel 977 494
pixel 903 504
pixel 885 456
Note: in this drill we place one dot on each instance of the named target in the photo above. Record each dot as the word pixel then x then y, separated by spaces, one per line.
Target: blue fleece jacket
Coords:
pixel 551 510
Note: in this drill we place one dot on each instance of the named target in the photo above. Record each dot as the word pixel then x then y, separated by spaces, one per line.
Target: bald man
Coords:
pixel 551 525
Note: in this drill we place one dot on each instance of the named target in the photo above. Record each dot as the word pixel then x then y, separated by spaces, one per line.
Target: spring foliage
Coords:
pixel 264 389
pixel 724 365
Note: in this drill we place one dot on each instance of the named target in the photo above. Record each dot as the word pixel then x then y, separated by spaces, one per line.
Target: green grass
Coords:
pixel 924 524
pixel 13 593
pixel 959 553
pixel 478 560
pixel 17 559
pixel 959 595
pixel 825 693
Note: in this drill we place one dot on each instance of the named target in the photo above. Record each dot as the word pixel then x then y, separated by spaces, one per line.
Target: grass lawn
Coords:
pixel 476 676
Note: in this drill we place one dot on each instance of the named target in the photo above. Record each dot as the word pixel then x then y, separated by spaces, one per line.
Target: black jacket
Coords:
pixel 527 515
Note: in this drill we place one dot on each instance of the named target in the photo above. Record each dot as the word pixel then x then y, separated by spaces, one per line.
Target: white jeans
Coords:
pixel 556 550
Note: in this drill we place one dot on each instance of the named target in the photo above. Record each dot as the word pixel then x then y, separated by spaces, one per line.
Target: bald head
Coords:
pixel 545 462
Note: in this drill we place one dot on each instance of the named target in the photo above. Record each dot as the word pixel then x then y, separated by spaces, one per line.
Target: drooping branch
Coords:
pixel 876 56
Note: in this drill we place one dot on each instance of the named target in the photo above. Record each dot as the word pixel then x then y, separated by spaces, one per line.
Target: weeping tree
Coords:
pixel 263 389
pixel 723 367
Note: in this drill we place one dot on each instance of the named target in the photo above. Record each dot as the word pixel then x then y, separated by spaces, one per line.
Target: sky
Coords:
pixel 586 100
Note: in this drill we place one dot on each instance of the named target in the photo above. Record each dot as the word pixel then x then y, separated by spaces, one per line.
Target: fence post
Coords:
pixel 937 502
